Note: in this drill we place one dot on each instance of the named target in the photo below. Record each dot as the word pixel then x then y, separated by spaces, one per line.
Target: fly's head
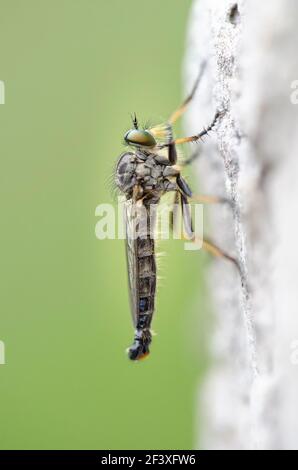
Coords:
pixel 140 348
pixel 140 138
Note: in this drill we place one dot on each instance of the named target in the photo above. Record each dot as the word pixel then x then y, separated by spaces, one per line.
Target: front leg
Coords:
pixel 172 153
pixel 197 137
pixel 192 138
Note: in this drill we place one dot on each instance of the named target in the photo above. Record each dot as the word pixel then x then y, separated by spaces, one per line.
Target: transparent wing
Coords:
pixel 131 256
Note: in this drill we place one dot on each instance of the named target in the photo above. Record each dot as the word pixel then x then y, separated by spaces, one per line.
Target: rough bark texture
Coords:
pixel 251 393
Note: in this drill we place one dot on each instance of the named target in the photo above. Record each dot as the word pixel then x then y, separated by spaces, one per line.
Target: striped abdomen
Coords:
pixel 143 279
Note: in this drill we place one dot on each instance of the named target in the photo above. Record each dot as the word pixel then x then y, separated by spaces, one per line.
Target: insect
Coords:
pixel 144 173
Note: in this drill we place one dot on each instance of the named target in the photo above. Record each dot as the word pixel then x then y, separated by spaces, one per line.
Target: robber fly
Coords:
pixel 144 173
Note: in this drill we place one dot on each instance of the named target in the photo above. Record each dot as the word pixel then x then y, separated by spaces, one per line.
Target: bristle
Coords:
pixel 161 131
pixel 147 124
pixel 110 184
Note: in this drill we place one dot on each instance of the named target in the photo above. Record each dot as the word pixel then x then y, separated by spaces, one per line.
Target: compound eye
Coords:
pixel 139 138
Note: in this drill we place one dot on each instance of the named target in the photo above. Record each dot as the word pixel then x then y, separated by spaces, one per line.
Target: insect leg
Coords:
pixel 172 153
pixel 182 108
pixel 197 137
pixel 194 156
pixel 218 252
pixel 186 215
pixel 173 213
pixel 185 189
pixel 205 243
pixel 205 199
pixel 183 186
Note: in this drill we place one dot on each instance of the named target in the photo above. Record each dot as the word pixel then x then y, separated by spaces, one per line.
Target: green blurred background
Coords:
pixel 74 70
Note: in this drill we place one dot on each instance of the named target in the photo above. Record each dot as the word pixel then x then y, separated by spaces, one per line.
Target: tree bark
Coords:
pixel 249 399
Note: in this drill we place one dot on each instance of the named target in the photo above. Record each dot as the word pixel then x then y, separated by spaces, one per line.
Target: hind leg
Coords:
pixel 205 243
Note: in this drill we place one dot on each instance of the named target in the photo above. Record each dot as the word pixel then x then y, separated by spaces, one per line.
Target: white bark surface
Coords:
pixel 250 396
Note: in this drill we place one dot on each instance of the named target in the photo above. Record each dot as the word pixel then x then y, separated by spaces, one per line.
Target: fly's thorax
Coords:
pixel 125 177
pixel 144 169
